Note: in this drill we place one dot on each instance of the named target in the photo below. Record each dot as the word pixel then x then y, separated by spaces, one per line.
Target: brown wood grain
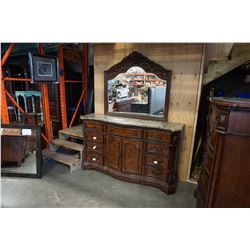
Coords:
pixel 224 180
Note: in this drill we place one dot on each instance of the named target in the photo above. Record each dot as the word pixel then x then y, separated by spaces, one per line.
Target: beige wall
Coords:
pixel 185 62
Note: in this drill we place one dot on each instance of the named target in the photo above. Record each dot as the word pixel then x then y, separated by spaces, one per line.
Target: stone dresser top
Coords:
pixel 174 127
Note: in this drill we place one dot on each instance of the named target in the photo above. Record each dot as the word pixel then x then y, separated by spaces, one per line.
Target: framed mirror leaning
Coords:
pixel 137 87
pixel 21 154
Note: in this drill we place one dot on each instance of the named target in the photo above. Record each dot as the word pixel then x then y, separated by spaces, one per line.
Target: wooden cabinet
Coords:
pixel 225 175
pixel 124 153
pixel 131 156
pixel 15 148
pixel 132 151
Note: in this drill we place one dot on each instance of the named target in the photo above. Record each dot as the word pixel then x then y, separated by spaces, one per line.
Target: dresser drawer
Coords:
pixel 94 158
pixel 155 172
pixel 94 147
pixel 128 132
pixel 157 148
pixel 156 161
pixel 93 125
pixel 219 117
pixel 159 136
pixel 92 136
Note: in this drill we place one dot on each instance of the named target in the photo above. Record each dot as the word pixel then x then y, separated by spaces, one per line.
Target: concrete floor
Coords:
pixel 59 188
pixel 28 166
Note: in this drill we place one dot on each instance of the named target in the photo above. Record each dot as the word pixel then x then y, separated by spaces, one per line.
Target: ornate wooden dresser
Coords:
pixel 225 176
pixel 135 150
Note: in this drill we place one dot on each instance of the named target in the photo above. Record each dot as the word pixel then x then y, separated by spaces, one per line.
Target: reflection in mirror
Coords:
pixel 137 91
pixel 18 151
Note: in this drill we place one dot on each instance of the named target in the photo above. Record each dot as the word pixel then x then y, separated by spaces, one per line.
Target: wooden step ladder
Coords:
pixel 68 149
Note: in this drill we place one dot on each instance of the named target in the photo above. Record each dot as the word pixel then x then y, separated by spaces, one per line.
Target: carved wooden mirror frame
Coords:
pixel 137 59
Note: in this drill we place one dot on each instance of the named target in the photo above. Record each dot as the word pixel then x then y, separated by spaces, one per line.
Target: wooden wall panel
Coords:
pixel 218 51
pixel 183 59
pixel 240 54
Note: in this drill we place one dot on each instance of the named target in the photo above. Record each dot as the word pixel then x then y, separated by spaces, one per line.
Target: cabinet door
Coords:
pixel 113 158
pixel 131 156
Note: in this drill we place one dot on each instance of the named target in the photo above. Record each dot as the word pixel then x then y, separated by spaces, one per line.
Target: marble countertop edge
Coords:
pixel 174 127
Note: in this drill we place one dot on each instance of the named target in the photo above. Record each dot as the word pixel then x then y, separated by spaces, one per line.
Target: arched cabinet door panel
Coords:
pixel 113 152
pixel 131 156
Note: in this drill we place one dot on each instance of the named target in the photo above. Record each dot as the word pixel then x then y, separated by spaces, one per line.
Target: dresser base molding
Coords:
pixel 144 180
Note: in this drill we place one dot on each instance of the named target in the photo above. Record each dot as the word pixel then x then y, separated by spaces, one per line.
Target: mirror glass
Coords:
pixel 18 151
pixel 137 91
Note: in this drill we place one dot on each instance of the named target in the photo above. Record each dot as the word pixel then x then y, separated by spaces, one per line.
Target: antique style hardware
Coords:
pixel 94 147
pixel 94 159
pixel 94 137
pixel 155 162
pixel 222 119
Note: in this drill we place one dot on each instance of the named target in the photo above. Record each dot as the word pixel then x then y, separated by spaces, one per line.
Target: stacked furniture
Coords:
pixel 135 150
pixel 32 101
pixel 225 176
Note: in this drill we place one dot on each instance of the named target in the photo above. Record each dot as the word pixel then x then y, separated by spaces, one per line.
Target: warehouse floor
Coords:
pixel 59 188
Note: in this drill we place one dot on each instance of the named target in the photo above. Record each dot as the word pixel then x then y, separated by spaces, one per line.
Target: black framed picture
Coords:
pixel 43 68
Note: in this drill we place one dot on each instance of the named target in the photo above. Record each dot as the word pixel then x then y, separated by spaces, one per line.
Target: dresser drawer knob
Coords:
pixel 94 147
pixel 155 162
pixel 93 159
pixel 94 137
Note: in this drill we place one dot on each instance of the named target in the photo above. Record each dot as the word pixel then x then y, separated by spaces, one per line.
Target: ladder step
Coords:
pixel 65 159
pixel 75 132
pixel 68 144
